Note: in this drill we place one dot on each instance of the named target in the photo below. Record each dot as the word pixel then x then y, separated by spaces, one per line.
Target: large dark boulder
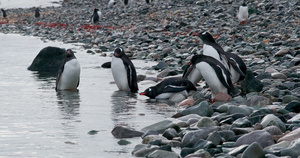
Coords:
pixel 48 61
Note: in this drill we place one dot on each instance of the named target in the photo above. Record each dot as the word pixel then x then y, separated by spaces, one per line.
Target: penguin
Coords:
pixel 123 71
pixel 243 14
pixel 149 1
pixel 69 73
pixel 4 13
pixel 126 2
pixel 231 61
pixel 97 15
pixel 214 73
pixel 37 13
pixel 111 3
pixel 168 87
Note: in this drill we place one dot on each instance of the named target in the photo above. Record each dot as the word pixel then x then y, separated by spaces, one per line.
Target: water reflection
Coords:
pixel 123 105
pixel 69 102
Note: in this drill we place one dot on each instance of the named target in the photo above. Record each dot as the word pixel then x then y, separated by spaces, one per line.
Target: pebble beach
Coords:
pixel 263 121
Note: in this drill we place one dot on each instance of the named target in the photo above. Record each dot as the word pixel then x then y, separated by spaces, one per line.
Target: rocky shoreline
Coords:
pixel 259 123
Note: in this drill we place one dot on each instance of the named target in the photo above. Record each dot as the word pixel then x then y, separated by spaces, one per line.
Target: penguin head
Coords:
pixel 149 92
pixel 119 52
pixel 244 4
pixel 207 38
pixel 95 10
pixel 70 53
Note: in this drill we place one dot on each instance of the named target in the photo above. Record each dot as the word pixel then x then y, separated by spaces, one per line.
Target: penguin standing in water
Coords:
pixel 37 13
pixel 243 14
pixel 168 87
pixel 214 73
pixel 97 15
pixel 69 73
pixel 232 62
pixel 124 72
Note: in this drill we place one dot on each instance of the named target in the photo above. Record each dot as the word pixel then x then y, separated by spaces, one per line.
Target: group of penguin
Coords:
pixel 218 68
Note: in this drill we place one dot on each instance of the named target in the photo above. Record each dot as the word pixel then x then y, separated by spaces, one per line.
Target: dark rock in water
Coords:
pixel 106 65
pixel 142 150
pixel 293 106
pixel 262 137
pixel 122 132
pixel 48 61
pixel 251 84
pixel 160 65
pixel 124 142
pixel 161 126
pixel 170 133
pixel 149 132
pixel 93 132
pixel 163 154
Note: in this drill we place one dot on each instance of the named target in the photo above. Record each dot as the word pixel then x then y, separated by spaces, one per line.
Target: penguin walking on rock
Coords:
pixel 4 13
pixel 214 73
pixel 168 87
pixel 124 72
pixel 243 14
pixel 37 13
pixel 97 15
pixel 69 73
pixel 232 62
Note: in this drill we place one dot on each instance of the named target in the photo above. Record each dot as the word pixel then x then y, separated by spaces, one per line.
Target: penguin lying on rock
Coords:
pixel 124 72
pixel 168 87
pixel 69 73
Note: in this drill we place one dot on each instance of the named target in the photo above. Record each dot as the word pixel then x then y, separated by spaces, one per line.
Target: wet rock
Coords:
pixel 289 98
pixel 124 132
pixel 272 120
pixel 251 84
pixel 149 132
pixel 178 97
pixel 222 97
pixel 278 75
pixel 226 134
pixel 259 136
pixel 187 102
pixel 239 110
pixel 282 52
pixel 293 106
pixel 106 65
pixel 241 122
pixel 202 109
pixel 238 150
pixel 200 153
pixel 163 154
pixel 161 126
pixel 254 150
pixel 191 137
pixel 273 130
pixel 170 133
pixel 215 138
pixel 293 150
pixel 166 73
pixel 142 150
pixel 150 138
pixel 294 119
pixel 48 61
pixel 160 66
pixel 206 122
pixel 124 142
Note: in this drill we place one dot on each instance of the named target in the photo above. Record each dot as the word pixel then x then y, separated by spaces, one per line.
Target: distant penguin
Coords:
pixel 168 87
pixel 231 61
pixel 149 1
pixel 37 13
pixel 97 15
pixel 111 3
pixel 69 73
pixel 214 73
pixel 242 13
pixel 126 2
pixel 123 71
pixel 4 13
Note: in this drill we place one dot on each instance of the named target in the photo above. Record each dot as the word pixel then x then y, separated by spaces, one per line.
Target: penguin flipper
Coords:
pixel 131 77
pixel 61 69
pixel 187 71
pixel 174 89
pixel 236 67
pixel 219 71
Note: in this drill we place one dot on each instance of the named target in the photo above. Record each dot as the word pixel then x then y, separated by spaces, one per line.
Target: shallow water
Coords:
pixel 38 122
pixel 7 4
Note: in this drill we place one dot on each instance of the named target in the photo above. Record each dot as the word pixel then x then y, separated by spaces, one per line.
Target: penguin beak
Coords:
pixel 143 93
pixel 194 34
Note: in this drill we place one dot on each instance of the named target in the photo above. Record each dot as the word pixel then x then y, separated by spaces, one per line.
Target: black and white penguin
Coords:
pixel 111 3
pixel 124 72
pixel 214 73
pixel 149 1
pixel 126 2
pixel 232 62
pixel 4 13
pixel 69 73
pixel 37 13
pixel 97 15
pixel 168 87
pixel 242 13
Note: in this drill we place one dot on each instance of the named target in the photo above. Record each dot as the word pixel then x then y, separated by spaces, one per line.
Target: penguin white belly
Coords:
pixel 70 76
pixel 164 96
pixel 119 74
pixel 242 14
pixel 234 75
pixel 212 52
pixel 211 78
pixel 195 76
pixel 99 14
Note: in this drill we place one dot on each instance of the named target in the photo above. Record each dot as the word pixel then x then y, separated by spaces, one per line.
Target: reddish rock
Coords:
pixel 293 135
pixel 222 97
pixel 187 102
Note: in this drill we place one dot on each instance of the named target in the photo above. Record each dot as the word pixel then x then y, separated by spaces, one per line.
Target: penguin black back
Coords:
pixel 4 13
pixel 95 17
pixel 37 13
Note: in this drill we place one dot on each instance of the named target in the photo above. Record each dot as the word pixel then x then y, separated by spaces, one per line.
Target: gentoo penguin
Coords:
pixel 168 87
pixel 123 71
pixel 4 13
pixel 149 1
pixel 97 15
pixel 231 61
pixel 37 13
pixel 242 13
pixel 214 73
pixel 69 73
pixel 111 3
